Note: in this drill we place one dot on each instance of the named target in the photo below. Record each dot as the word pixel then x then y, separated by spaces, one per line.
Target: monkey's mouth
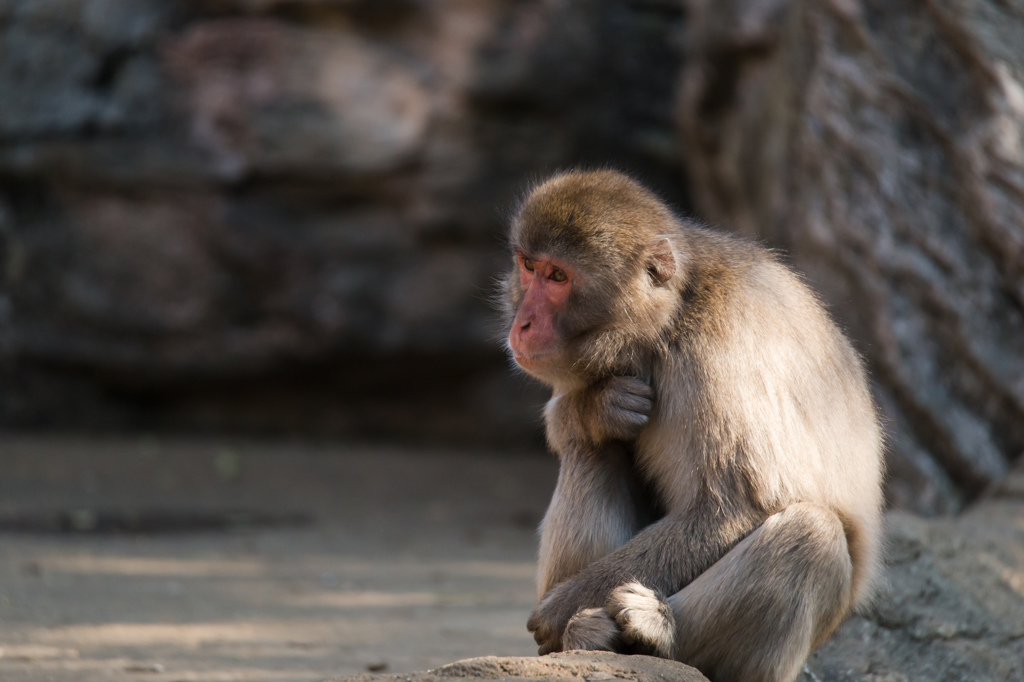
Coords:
pixel 530 360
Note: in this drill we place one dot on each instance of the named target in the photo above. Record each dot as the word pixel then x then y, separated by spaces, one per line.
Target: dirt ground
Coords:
pixel 200 559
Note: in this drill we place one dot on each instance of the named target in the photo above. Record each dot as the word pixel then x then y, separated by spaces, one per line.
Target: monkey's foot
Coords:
pixel 592 630
pixel 646 622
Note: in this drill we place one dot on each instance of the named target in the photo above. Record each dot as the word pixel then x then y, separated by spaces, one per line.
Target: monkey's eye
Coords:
pixel 528 264
pixel 558 276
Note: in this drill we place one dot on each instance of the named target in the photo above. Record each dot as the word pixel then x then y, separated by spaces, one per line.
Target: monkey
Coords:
pixel 719 494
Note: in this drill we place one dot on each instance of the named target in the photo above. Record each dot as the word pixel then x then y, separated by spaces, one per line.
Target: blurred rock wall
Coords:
pixel 286 215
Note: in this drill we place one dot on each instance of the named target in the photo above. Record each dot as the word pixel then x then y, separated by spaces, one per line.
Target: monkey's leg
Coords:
pixel 759 611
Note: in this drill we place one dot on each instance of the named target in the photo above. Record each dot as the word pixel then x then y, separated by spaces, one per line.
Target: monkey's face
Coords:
pixel 592 280
pixel 537 335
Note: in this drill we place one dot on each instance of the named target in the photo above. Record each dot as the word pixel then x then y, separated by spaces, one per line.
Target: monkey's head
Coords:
pixel 596 275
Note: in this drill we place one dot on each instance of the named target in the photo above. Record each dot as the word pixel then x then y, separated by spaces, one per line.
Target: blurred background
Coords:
pixel 250 234
pixel 284 217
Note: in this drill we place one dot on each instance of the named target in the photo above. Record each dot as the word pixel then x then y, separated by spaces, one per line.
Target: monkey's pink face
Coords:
pixel 534 338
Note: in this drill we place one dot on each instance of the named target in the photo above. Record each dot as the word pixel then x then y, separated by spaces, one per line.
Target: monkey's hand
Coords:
pixel 563 621
pixel 622 408
pixel 615 408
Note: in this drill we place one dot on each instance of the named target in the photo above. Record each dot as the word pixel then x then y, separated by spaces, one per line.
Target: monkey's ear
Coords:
pixel 661 262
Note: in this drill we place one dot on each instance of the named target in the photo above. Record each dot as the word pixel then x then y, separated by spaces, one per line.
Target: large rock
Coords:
pixel 585 666
pixel 881 145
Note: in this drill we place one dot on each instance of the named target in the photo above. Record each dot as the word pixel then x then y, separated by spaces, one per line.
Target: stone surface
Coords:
pixel 591 666
pixel 260 561
pixel 952 607
pixel 880 145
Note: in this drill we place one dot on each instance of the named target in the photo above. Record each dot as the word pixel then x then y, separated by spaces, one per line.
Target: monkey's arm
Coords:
pixel 597 507
pixel 598 504
pixel 666 556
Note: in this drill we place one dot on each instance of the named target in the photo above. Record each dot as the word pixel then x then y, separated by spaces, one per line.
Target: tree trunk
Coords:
pixel 881 145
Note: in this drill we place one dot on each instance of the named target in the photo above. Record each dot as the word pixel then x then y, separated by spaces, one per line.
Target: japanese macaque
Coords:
pixel 719 493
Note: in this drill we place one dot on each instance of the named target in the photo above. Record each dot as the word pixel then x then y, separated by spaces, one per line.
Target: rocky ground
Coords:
pixel 952 607
pixel 199 559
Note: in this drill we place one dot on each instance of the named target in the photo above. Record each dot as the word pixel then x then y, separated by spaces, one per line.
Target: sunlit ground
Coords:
pixel 380 559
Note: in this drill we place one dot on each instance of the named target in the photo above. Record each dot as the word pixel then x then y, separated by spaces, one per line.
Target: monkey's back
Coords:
pixel 763 392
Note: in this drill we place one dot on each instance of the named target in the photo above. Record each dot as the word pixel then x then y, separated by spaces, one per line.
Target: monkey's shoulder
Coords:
pixel 737 281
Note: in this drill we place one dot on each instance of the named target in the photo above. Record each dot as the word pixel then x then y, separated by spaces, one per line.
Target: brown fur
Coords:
pixel 695 364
